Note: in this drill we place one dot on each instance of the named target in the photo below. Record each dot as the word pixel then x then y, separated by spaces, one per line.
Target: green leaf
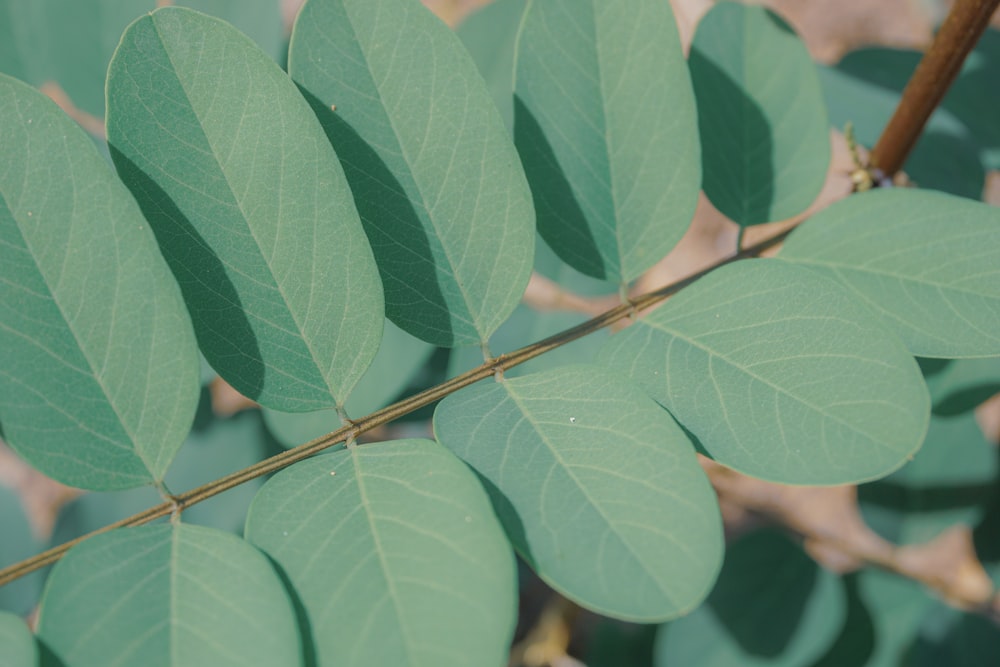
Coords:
pixel 956 639
pixel 98 365
pixel 597 488
pixel 960 385
pixel 395 555
pixel 761 115
pixel 927 262
pixel 167 595
pixel 18 543
pixel 605 122
pixel 780 374
pixel 221 447
pixel 399 357
pixel 436 179
pixel 949 482
pixel 20 26
pixel 772 606
pixel 490 35
pixel 17 644
pixel 250 206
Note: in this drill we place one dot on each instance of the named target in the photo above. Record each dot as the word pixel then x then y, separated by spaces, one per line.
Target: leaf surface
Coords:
pixel 772 606
pixel 395 554
pixel 605 123
pixel 780 374
pixel 761 115
pixel 927 262
pixel 17 644
pixel 250 206
pixel 98 364
pixel 436 179
pixel 167 595
pixel 597 488
pixel 19 596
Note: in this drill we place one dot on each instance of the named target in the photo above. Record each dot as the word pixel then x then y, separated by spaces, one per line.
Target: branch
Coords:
pixel 958 35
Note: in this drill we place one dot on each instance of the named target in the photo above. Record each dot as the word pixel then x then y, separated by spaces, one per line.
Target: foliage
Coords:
pixel 271 222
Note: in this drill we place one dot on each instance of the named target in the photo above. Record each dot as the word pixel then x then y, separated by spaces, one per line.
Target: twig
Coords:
pixel 958 35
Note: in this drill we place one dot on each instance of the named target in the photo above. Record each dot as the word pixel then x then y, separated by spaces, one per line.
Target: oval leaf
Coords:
pixel 250 207
pixel 928 262
pixel 17 644
pixel 167 595
pixel 761 115
pixel 781 375
pixel 98 364
pixel 605 122
pixel 598 488
pixel 395 554
pixel 436 179
pixel 772 606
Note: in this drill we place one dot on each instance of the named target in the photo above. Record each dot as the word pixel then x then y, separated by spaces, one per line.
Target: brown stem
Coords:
pixel 395 411
pixel 958 35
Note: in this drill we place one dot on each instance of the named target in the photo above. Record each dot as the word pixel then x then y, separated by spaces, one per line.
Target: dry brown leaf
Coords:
pixel 949 563
pixel 226 401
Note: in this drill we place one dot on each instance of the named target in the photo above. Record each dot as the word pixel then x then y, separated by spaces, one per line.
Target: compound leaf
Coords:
pixel 98 364
pixel 597 488
pixel 780 374
pixel 761 115
pixel 250 206
pixel 437 181
pixel 168 595
pixel 605 122
pixel 927 262
pixel 395 554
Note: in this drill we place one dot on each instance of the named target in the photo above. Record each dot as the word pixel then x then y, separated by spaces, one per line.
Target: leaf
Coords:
pixel 490 35
pixel 597 488
pixel 950 481
pixel 761 115
pixel 435 177
pixel 780 374
pixel 221 447
pixel 927 262
pixel 400 356
pixel 960 385
pixel 98 365
pixel 18 543
pixel 17 642
pixel 250 207
pixel 772 605
pixel 604 120
pixel 167 595
pixel 395 554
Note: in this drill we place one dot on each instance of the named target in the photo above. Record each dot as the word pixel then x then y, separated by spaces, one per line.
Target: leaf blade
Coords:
pixel 280 280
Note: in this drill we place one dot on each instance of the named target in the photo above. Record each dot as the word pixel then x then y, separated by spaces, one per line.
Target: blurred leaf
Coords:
pixel 956 639
pixel 975 97
pixel 399 357
pixel 604 121
pixel 597 488
pixel 71 41
pixel 772 606
pixel 149 595
pixel 98 365
pixel 948 482
pixel 927 262
pixel 780 374
pixel 17 644
pixel 395 554
pixel 222 447
pixel 490 35
pixel 251 209
pixel 435 177
pixel 960 385
pixel 864 90
pixel 761 115
pixel 17 543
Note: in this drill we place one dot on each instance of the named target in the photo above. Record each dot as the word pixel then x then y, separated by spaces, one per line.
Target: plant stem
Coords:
pixel 958 35
pixel 351 431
